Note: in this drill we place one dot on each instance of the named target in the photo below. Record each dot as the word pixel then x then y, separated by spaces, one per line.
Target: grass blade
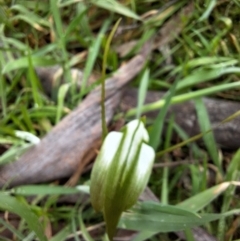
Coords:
pixel 23 62
pixel 156 131
pixel 92 56
pixel 233 173
pixel 185 97
pixel 28 190
pixel 163 218
pixel 13 205
pixel 142 91
pixel 202 199
pixel 104 67
pixel 209 140
pixel 115 6
pixel 61 96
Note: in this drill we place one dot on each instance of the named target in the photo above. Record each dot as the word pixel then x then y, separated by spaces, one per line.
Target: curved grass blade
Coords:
pixel 13 205
pixel 185 97
pixel 202 199
pixel 115 6
pixel 29 190
pixel 24 63
pixel 156 218
pixel 205 125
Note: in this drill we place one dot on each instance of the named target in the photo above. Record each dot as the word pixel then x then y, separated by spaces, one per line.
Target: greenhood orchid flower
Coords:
pixel 121 172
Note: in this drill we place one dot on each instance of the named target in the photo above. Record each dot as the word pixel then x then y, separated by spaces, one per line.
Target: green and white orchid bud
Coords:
pixel 121 172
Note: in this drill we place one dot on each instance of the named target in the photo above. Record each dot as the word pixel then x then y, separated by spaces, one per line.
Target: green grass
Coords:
pixel 201 60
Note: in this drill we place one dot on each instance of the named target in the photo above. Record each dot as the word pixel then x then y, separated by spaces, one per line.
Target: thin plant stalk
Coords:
pixel 104 66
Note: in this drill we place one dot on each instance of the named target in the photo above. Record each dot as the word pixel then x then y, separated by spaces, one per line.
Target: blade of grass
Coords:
pixel 233 173
pixel 209 140
pixel 74 24
pixel 115 6
pixel 62 235
pixel 144 235
pixel 18 123
pixel 159 18
pixel 84 24
pixel 142 91
pixel 148 34
pixel 205 74
pixel 205 62
pixel 29 190
pixel 154 213
pixel 156 131
pixel 23 62
pixel 34 82
pixel 185 97
pixel 34 6
pixel 33 19
pixel 61 43
pixel 74 227
pixel 12 229
pixel 63 4
pixel 61 96
pixel 196 178
pixel 27 120
pixel 197 152
pixel 3 96
pixel 16 45
pixel 29 21
pixel 92 56
pixel 165 187
pixel 164 218
pixel 189 235
pixel 13 205
pixel 85 233
pixel 29 237
pixel 211 5
pixel 201 200
pixel 13 153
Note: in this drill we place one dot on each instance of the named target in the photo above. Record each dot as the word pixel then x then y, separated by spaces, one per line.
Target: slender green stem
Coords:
pixel 104 66
pixel 3 96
